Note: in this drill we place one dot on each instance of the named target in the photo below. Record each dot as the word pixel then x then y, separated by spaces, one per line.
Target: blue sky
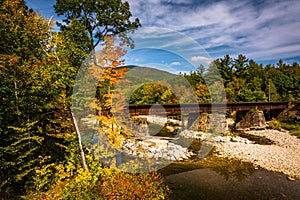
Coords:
pixel 265 31
pixel 167 50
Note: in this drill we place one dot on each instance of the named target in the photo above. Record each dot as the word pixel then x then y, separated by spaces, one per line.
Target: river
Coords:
pixel 215 178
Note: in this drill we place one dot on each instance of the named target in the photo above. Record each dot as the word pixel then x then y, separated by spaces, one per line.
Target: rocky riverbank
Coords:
pixel 282 156
pixel 155 148
pixel 211 137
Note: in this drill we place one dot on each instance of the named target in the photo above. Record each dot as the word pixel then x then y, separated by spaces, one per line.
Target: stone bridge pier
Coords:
pixel 216 123
pixel 250 119
pixel 256 119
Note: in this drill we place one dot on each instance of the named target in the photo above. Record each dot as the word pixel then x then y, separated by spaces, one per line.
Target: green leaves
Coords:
pixel 152 93
pixel 245 80
pixel 99 18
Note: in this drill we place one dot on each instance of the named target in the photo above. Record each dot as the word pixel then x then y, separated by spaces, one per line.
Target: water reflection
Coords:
pixel 207 184
pixel 227 168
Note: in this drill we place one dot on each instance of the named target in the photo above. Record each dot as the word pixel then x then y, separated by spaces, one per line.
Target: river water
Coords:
pixel 214 178
pixel 231 180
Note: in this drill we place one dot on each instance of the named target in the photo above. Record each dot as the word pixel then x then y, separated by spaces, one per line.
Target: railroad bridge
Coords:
pixel 179 109
pixel 190 112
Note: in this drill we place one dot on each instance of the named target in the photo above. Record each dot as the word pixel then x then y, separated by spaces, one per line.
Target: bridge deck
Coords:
pixel 177 109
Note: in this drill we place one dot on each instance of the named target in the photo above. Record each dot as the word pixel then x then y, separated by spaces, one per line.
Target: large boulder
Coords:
pixel 252 120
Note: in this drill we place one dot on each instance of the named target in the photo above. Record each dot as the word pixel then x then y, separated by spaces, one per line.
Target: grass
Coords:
pixel 292 127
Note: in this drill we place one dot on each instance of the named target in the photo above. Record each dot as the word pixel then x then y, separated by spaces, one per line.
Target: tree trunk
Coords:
pixel 80 144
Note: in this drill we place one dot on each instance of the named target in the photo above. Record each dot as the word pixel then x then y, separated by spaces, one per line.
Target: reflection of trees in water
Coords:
pixel 227 168
pixel 234 169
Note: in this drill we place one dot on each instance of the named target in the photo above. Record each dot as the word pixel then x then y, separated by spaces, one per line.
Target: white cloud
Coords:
pixel 175 63
pixel 200 59
pixel 252 29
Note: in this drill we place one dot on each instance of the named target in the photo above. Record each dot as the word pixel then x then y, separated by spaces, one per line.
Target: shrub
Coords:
pixel 130 186
pixel 293 127
pixel 274 124
pixel 103 183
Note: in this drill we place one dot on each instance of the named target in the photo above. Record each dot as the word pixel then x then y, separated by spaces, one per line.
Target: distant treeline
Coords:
pixel 247 81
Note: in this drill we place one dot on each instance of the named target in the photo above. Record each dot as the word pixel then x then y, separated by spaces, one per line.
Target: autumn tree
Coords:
pixel 202 93
pixel 30 91
pixel 109 74
pixel 38 69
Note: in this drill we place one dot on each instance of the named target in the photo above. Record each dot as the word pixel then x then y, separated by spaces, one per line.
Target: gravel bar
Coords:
pixel 283 156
